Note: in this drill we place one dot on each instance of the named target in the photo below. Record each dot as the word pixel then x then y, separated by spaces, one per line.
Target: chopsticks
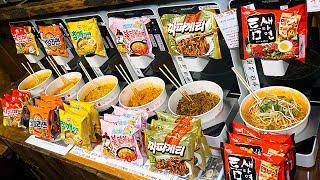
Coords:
pixel 55 68
pixel 32 74
pixel 88 75
pixel 244 82
pixel 178 85
pixel 126 78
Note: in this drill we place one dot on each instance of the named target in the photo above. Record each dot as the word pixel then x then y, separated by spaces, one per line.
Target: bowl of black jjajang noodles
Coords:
pixel 204 100
pixel 278 109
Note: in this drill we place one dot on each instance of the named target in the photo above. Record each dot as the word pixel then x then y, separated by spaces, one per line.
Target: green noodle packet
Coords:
pixel 172 153
pixel 171 126
pixel 162 116
pixel 192 35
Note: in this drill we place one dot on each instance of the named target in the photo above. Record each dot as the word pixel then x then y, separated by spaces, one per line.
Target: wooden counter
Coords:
pixel 48 165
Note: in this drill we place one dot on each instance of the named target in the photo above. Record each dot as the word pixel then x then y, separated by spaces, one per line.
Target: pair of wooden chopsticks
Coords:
pixel 244 82
pixel 182 91
pixel 32 74
pixel 95 85
pixel 55 68
pixel 125 76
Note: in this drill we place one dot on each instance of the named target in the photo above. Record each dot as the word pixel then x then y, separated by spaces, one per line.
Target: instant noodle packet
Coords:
pixel 132 113
pixel 86 37
pixel 240 164
pixel 273 34
pixel 171 152
pixel 53 40
pixel 131 35
pixel 181 128
pixel 93 117
pixel 24 40
pixel 75 130
pixel 193 35
pixel 39 122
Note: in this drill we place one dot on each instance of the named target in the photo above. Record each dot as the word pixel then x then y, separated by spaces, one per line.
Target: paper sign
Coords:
pixel 250 70
pixel 313 5
pixel 58 147
pixel 228 24
pixel 183 69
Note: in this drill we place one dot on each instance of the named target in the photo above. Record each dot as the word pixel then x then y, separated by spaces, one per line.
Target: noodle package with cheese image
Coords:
pixel 192 35
pixel 53 40
pixel 24 40
pixel 86 37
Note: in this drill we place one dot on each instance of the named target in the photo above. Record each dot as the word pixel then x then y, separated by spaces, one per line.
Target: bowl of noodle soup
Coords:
pixel 66 87
pixel 146 94
pixel 35 87
pixel 279 110
pixel 103 91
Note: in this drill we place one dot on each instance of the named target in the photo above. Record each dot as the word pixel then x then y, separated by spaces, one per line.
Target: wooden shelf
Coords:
pixel 45 7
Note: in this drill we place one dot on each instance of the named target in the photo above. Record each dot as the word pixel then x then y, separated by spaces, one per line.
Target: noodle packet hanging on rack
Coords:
pixel 279 33
pixel 131 35
pixel 239 164
pixel 192 35
pixel 86 37
pixel 53 40
pixel 24 40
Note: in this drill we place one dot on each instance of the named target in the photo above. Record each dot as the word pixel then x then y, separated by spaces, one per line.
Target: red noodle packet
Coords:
pixel 277 33
pixel 239 164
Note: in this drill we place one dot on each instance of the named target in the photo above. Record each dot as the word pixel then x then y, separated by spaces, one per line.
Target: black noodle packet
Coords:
pixel 214 169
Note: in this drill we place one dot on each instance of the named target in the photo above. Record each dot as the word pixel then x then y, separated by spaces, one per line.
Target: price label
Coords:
pixel 228 24
pixel 153 41
pixel 184 70
pixel 160 42
pixel 313 5
pixel 136 70
pixel 251 73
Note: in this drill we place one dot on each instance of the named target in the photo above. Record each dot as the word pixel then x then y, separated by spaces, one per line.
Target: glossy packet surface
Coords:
pixel 53 40
pixel 131 35
pixel 39 122
pixel 193 35
pixel 24 40
pixel 86 37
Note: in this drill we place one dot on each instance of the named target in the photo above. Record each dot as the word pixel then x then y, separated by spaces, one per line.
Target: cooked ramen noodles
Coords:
pixel 99 92
pixel 201 103
pixel 144 95
pixel 34 81
pixel 68 85
pixel 139 48
pixel 127 154
pixel 193 46
pixel 274 112
pixel 173 165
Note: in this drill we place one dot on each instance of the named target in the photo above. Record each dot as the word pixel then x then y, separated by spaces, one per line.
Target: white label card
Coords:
pixel 153 41
pixel 160 42
pixel 136 70
pixel 228 24
pixel 250 70
pixel 313 5
pixel 184 70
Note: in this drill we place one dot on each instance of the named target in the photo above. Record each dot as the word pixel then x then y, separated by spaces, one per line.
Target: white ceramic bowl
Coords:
pixel 108 99
pixel 58 83
pixel 154 105
pixel 197 87
pixel 35 91
pixel 297 128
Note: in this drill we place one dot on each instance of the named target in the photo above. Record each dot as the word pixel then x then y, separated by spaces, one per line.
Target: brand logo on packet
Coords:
pixel 155 147
pixel 191 27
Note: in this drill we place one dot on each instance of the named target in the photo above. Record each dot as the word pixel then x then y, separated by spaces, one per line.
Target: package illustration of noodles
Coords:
pixel 193 35
pixel 273 34
pixel 39 122
pixel 53 40
pixel 86 37
pixel 131 35
pixel 172 150
pixel 239 164
pixel 24 40
pixel 75 130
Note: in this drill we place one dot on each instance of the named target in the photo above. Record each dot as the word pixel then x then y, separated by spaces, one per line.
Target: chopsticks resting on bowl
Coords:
pixel 126 78
pixel 88 75
pixel 178 85
pixel 55 68
pixel 244 82
pixel 32 74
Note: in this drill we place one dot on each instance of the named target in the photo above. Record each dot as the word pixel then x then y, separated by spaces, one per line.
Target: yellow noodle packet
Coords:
pixel 74 129
pixel 86 37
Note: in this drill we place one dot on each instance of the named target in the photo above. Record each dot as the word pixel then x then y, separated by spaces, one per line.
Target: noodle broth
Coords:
pixel 266 119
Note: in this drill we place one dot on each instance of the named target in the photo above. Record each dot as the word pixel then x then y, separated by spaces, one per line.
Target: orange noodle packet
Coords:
pixel 24 40
pixel 39 123
pixel 241 164
pixel 193 35
pixel 86 37
pixel 53 40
